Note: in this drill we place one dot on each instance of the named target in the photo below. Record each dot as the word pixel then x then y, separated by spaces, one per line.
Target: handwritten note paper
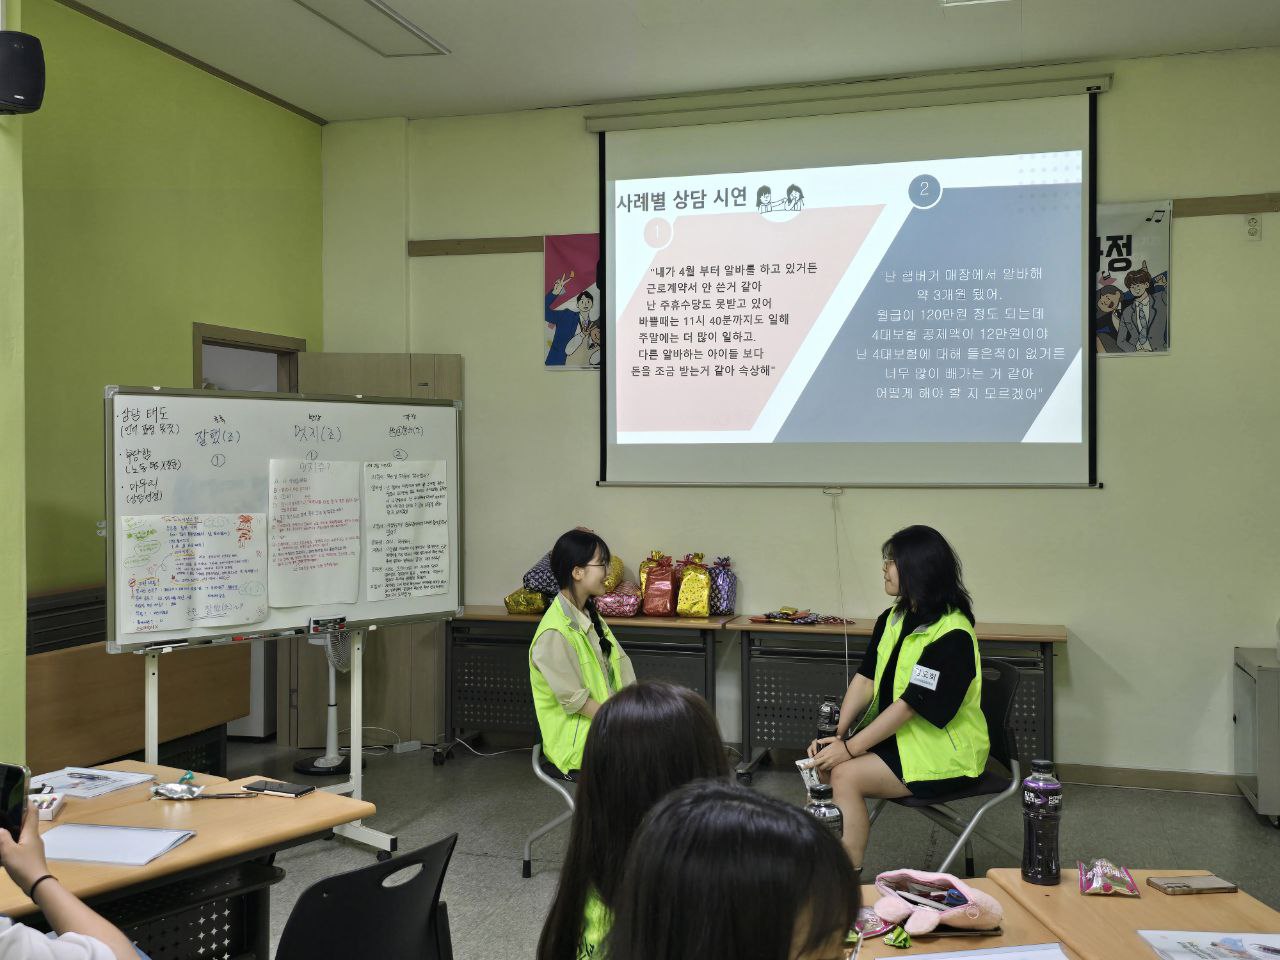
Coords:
pixel 315 532
pixel 406 546
pixel 182 570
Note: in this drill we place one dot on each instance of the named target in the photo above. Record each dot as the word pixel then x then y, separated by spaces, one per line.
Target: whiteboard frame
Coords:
pixel 246 634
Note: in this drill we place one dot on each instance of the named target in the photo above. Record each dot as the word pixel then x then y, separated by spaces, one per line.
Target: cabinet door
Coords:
pixel 436 376
pixel 348 374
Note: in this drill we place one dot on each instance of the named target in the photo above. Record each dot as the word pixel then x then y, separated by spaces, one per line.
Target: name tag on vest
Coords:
pixel 924 677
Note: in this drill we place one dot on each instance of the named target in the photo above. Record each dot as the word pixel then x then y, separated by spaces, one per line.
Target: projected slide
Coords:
pixel 928 301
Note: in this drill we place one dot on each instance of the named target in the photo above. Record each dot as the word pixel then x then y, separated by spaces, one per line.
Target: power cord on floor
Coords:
pixel 498 753
pixel 373 749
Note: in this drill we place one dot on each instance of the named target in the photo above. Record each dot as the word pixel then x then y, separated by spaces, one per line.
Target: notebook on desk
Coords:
pixel 96 843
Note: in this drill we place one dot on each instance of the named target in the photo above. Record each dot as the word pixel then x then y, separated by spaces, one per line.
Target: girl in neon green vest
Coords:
pixel 915 708
pixel 646 741
pixel 719 872
pixel 575 663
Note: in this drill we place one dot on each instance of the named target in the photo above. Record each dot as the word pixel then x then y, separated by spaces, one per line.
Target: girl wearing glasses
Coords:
pixel 917 698
pixel 575 664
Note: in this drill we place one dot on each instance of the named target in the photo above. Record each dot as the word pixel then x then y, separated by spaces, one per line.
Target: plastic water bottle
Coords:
pixel 1041 813
pixel 822 807
pixel 828 717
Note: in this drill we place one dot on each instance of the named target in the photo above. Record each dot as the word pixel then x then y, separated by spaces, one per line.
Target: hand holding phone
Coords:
pixel 14 781
pixel 23 858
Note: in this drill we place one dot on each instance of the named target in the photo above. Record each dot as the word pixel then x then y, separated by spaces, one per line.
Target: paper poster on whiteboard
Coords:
pixel 315 532
pixel 206 569
pixel 406 529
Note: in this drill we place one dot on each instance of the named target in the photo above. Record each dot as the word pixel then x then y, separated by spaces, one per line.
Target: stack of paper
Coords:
pixel 95 843
pixel 86 783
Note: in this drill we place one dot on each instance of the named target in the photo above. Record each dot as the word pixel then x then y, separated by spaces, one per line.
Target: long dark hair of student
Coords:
pixel 719 872
pixel 647 740
pixel 929 575
pixel 577 548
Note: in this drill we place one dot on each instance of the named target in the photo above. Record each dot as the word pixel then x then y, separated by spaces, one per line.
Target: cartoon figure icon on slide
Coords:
pixel 793 200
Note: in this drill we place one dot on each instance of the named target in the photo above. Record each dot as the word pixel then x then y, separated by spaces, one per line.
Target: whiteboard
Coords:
pixel 200 466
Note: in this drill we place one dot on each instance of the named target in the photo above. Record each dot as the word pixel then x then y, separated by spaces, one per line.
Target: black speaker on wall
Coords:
pixel 21 72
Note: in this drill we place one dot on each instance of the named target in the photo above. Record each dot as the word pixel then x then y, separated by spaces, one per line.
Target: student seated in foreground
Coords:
pixel 81 933
pixel 646 741
pixel 719 872
pixel 575 662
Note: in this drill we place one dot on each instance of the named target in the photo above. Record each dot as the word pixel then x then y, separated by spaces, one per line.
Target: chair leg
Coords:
pixel 968 858
pixel 876 809
pixel 544 829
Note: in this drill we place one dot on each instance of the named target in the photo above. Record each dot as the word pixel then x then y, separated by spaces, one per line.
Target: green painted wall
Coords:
pixel 13 649
pixel 156 196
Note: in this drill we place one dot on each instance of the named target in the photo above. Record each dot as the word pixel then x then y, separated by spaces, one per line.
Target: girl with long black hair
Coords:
pixel 575 663
pixel 911 723
pixel 719 872
pixel 646 741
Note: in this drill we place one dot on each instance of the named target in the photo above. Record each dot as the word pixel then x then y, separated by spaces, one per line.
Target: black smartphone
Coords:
pixel 278 788
pixel 13 797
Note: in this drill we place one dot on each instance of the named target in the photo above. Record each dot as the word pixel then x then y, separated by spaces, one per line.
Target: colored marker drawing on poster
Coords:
pixel 182 570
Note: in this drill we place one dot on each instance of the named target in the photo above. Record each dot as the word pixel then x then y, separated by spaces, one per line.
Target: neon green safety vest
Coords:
pixel 596 921
pixel 927 752
pixel 565 734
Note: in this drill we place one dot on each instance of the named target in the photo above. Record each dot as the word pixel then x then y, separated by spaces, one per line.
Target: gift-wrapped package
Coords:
pixel 647 564
pixel 659 590
pixel 613 576
pixel 540 579
pixel 694 592
pixel 622 602
pixel 724 587
pixel 525 600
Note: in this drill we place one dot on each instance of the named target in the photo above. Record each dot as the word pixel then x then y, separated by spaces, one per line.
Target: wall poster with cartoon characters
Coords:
pixel 571 304
pixel 1131 279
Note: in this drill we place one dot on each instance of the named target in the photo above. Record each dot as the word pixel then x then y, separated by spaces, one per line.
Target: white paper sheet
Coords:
pixel 87 782
pixel 315 532
pixel 406 546
pixel 187 569
pixel 96 843
pixel 1206 945
pixel 1034 951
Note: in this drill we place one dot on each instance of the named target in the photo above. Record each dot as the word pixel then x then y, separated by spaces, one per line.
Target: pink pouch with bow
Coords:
pixel 981 911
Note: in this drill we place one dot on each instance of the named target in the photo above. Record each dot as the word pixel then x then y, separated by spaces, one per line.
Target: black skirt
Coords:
pixel 887 750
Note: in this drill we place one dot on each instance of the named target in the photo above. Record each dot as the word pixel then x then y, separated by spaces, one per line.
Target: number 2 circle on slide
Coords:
pixel 657 233
pixel 925 191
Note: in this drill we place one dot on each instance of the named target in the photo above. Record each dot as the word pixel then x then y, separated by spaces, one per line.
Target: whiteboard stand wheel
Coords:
pixel 745 777
pixel 383 856
pixel 1275 822
pixel 438 758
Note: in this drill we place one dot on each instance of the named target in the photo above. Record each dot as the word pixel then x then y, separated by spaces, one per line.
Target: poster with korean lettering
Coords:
pixel 571 302
pixel 1131 279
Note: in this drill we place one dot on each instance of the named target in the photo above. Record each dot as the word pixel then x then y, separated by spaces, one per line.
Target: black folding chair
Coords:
pixel 1000 780
pixel 358 914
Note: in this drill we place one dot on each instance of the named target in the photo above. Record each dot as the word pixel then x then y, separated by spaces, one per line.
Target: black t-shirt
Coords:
pixel 951 656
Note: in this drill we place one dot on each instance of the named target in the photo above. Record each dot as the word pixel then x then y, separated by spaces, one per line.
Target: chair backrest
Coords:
pixel 356 915
pixel 999 688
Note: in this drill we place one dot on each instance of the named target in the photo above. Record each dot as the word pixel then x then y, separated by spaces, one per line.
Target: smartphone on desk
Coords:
pixel 1175 886
pixel 13 797
pixel 278 788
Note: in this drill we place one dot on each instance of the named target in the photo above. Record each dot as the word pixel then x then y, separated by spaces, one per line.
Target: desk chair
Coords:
pixel 1000 780
pixel 558 786
pixel 357 914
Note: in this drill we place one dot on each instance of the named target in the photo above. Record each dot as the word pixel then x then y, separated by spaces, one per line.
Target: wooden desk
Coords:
pixel 487 665
pixel 1018 928
pixel 1100 928
pixel 227 865
pixel 787 669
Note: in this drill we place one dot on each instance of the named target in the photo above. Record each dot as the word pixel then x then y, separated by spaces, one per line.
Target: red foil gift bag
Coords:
pixel 659 590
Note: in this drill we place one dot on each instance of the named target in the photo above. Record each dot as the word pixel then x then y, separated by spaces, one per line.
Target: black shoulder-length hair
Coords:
pixel 647 739
pixel 577 548
pixel 719 872
pixel 929 575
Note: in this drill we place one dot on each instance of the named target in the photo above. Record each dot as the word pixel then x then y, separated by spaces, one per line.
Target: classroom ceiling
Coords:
pixel 520 54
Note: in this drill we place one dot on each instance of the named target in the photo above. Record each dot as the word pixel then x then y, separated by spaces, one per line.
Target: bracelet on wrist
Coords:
pixel 846 748
pixel 31 894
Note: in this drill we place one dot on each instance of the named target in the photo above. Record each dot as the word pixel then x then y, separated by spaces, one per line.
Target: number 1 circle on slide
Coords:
pixel 925 191
pixel 657 233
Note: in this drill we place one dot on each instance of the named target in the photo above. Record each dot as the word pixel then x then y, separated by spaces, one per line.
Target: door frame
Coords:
pixel 286 350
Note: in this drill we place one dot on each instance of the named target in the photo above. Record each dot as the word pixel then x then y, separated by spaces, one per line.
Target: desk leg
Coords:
pixel 709 667
pixel 258 919
pixel 750 758
pixel 1046 657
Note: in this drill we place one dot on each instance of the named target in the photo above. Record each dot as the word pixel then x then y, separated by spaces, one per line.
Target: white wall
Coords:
pixel 1157 576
